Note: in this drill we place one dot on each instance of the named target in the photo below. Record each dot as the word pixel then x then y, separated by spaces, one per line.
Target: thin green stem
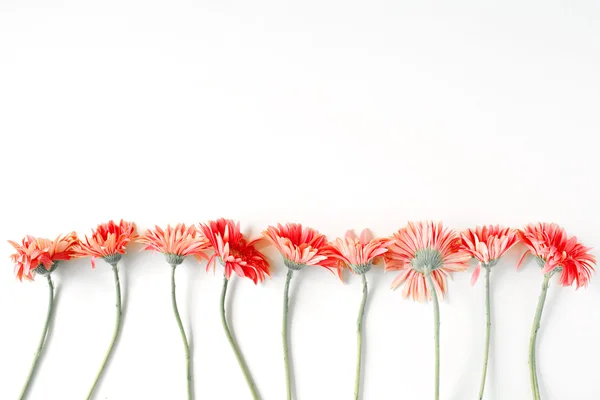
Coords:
pixel 183 337
pixel 38 351
pixel 488 324
pixel 359 324
pixel 534 330
pixel 436 333
pixel 115 332
pixel 236 350
pixel 284 334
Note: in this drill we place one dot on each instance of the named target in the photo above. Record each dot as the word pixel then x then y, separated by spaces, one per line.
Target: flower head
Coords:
pixel 233 251
pixel 487 244
pixel 35 252
pixel 422 249
pixel 176 243
pixel 300 246
pixel 555 251
pixel 359 253
pixel 107 241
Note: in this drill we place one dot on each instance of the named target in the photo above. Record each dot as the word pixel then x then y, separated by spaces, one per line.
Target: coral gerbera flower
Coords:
pixel 487 244
pixel 38 255
pixel 35 252
pixel 426 253
pixel 176 243
pixel 300 246
pixel 108 241
pixel 555 251
pixel 233 251
pixel 422 249
pixel 359 254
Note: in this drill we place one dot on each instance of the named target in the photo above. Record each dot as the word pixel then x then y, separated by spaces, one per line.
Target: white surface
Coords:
pixel 336 114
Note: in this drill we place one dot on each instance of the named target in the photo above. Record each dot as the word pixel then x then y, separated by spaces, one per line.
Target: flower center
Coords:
pixel 174 259
pixel 361 269
pixel 427 260
pixel 293 265
pixel 113 259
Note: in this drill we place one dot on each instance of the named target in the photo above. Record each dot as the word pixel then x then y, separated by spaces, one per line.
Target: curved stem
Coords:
pixel 534 330
pixel 183 337
pixel 359 323
pixel 436 334
pixel 487 330
pixel 284 334
pixel 115 332
pixel 40 347
pixel 236 350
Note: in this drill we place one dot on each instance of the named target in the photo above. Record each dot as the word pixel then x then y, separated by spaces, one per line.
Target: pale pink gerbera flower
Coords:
pixel 426 253
pixel 235 253
pixel 359 254
pixel 424 249
pixel 37 255
pixel 108 241
pixel 487 244
pixel 300 246
pixel 176 244
pixel 555 252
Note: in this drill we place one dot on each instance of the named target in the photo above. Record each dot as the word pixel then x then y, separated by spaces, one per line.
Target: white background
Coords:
pixel 337 114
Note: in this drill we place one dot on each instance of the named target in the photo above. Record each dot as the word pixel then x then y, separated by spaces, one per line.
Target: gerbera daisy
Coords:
pixel 300 246
pixel 426 253
pixel 236 254
pixel 108 242
pixel 555 252
pixel 359 254
pixel 176 243
pixel 487 244
pixel 38 255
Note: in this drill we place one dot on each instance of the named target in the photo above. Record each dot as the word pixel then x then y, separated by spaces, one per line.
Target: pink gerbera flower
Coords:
pixel 176 243
pixel 108 241
pixel 359 253
pixel 556 252
pixel 35 252
pixel 487 244
pixel 422 249
pixel 300 246
pixel 233 251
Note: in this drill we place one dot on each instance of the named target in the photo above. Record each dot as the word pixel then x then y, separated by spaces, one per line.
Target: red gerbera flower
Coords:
pixel 555 251
pixel 108 241
pixel 176 243
pixel 233 251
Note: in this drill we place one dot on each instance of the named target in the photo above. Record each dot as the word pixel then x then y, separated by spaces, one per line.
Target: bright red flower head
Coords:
pixel 176 243
pixel 300 246
pixel 359 253
pixel 108 241
pixel 487 244
pixel 233 251
pixel 34 252
pixel 555 251
pixel 423 248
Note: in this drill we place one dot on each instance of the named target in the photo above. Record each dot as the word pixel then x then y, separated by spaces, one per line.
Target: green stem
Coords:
pixel 534 330
pixel 487 330
pixel 115 333
pixel 284 334
pixel 436 333
pixel 183 337
pixel 40 347
pixel 359 324
pixel 236 350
